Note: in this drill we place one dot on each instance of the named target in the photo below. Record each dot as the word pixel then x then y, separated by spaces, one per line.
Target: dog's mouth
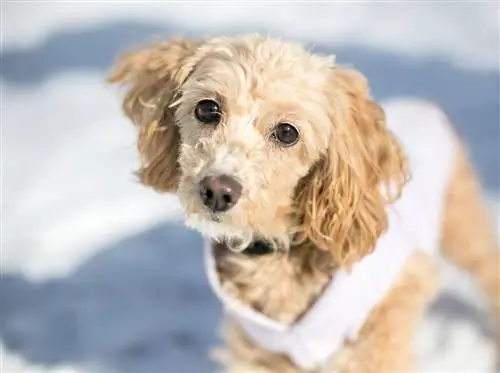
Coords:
pixel 255 248
pixel 230 239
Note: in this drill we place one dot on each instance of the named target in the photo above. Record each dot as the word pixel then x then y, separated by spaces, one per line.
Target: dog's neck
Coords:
pixel 280 284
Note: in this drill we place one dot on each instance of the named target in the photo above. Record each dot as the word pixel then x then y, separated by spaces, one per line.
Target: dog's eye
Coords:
pixel 208 112
pixel 286 134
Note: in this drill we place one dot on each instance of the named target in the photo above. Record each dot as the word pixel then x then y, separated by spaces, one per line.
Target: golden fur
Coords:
pixel 353 169
pixel 321 202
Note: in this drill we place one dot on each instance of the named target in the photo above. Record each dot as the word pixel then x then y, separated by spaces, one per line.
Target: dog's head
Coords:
pixel 262 139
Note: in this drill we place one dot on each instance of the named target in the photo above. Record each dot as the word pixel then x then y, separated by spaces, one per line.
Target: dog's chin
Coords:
pixel 214 230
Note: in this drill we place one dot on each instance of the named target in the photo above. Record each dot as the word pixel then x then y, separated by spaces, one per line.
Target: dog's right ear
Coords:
pixel 151 76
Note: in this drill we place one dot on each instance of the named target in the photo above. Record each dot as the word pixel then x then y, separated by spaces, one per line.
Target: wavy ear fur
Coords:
pixel 341 204
pixel 152 75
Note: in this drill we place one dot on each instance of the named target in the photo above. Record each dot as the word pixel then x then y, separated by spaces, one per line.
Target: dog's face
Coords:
pixel 261 139
pixel 252 120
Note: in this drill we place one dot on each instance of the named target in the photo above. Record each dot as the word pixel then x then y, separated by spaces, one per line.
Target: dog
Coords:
pixel 322 210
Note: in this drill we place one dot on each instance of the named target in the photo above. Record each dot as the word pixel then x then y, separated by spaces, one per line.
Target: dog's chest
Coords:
pixel 287 308
pixel 280 286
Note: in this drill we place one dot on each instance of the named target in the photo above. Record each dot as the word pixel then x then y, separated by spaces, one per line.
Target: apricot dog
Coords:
pixel 323 211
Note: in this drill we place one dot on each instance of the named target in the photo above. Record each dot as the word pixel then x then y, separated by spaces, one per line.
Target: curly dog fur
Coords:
pixel 318 202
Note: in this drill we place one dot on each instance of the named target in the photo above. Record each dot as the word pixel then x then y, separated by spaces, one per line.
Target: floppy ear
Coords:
pixel 341 201
pixel 151 76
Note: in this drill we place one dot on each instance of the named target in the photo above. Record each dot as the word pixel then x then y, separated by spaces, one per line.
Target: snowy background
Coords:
pixel 98 274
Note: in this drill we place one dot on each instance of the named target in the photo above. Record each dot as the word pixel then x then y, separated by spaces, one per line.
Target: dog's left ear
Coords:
pixel 342 201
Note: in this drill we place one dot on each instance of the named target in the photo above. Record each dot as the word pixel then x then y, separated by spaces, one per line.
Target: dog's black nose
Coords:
pixel 219 193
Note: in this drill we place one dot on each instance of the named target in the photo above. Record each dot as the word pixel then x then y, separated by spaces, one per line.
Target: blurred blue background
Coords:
pixel 98 273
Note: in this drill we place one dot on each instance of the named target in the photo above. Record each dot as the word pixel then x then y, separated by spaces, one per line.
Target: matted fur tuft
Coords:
pixel 341 206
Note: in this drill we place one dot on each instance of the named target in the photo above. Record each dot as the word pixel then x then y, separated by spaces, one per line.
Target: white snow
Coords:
pixel 68 161
pixel 464 33
pixel 71 208
pixel 12 363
